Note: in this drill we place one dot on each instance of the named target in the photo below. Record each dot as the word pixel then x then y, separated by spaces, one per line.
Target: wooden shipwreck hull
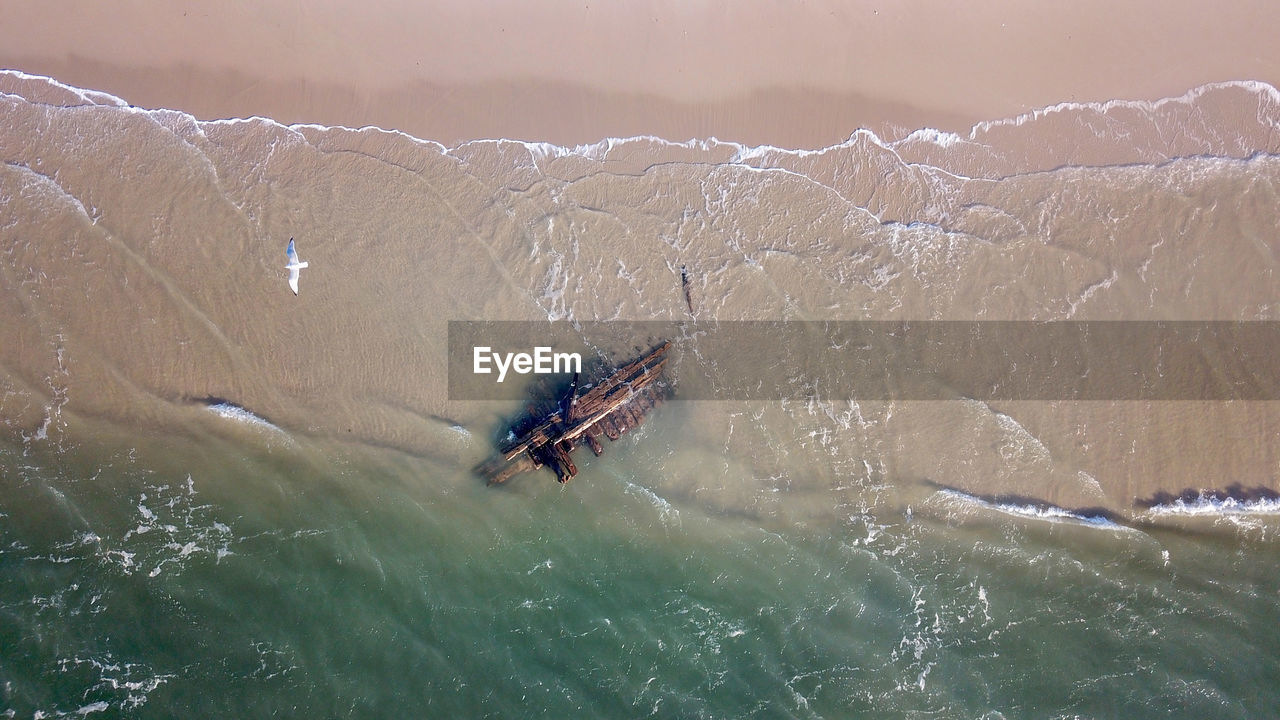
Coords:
pixel 612 407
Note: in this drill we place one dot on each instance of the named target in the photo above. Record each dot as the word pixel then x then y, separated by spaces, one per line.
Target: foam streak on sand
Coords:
pixel 1267 116
pixel 40 83
pixel 1206 504
pixel 1268 102
pixel 235 413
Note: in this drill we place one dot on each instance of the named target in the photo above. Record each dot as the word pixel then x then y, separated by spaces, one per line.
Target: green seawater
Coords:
pixel 206 576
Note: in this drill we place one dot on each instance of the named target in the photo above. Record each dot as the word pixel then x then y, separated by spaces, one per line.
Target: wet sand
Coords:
pixel 144 256
pixel 1125 210
pixel 791 75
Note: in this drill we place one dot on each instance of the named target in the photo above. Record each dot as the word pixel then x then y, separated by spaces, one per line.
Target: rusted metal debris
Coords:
pixel 614 406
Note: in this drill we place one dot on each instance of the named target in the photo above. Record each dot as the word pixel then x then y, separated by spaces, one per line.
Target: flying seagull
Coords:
pixel 294 267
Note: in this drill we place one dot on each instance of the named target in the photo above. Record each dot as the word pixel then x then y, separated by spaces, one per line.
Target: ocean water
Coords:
pixel 218 499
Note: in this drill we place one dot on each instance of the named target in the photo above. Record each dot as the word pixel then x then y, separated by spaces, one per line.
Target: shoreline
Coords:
pixel 797 77
pixel 918 144
pixel 527 110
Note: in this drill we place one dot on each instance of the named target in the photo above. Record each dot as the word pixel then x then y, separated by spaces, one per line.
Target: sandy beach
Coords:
pixel 799 75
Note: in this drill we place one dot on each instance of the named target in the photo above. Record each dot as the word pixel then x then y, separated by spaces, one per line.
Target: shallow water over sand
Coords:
pixel 815 558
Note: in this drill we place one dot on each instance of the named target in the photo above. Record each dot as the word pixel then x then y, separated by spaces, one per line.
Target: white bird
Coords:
pixel 294 267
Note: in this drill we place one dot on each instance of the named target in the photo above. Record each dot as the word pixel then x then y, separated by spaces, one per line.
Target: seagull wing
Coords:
pixel 293 254
pixel 293 279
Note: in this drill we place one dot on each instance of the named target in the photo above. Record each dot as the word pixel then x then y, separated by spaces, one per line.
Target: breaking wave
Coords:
pixel 235 413
pixel 1213 504
pixel 1029 509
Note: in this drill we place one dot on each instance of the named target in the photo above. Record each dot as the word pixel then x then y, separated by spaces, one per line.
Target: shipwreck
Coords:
pixel 610 408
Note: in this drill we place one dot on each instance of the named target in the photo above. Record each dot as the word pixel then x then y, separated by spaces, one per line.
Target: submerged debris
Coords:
pixel 614 406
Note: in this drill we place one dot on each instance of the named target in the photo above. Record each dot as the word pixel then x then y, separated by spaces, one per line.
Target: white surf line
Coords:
pixel 235 413
pixel 599 150
pixel 1210 506
pixel 1257 87
pixel 1046 512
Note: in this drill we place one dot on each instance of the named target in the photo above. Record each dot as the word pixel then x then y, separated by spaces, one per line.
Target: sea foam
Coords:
pixel 1035 511
pixel 1209 505
pixel 231 411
